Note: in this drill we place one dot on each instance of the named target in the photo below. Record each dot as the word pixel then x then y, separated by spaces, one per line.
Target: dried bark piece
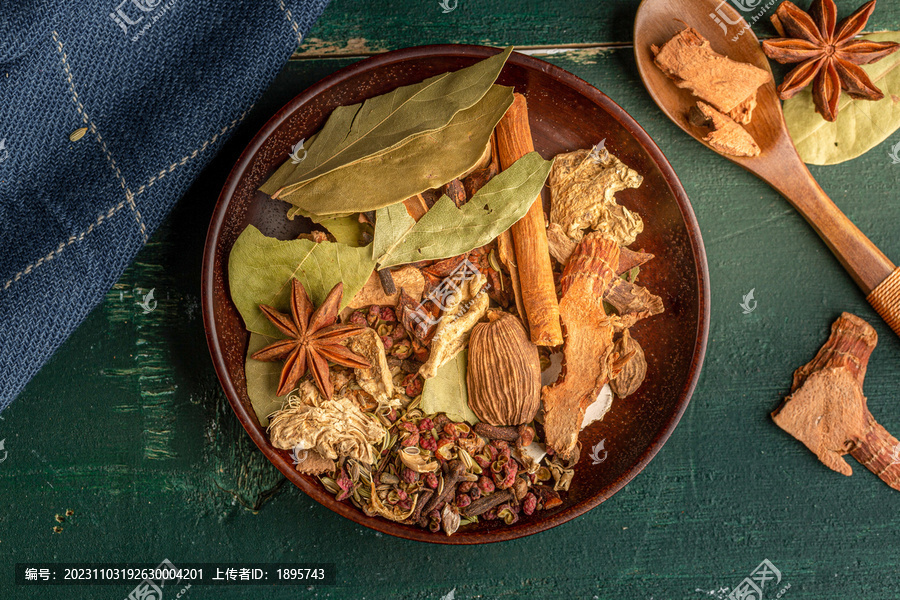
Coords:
pixel 728 85
pixel 629 259
pixel 455 191
pixel 561 245
pixel 452 332
pixel 632 301
pixel 583 185
pixel 407 277
pixel 376 380
pixel 724 135
pixel 476 180
pixel 588 342
pixel 311 462
pixel 827 410
pixel 631 365
pixel 415 206
pixel 743 112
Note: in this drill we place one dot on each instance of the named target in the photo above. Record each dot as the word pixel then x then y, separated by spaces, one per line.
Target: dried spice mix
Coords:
pixel 414 391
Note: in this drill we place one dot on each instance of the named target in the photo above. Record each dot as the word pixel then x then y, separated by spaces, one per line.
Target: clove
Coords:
pixel 456 474
pixel 522 435
pixel 387 281
pixel 486 503
pixel 424 496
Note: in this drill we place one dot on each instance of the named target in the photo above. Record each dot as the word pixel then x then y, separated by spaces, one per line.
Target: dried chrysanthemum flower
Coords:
pixel 333 428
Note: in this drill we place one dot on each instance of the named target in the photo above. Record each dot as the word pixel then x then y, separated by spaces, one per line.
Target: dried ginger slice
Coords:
pixel 588 346
pixel 583 185
pixel 724 135
pixel 728 85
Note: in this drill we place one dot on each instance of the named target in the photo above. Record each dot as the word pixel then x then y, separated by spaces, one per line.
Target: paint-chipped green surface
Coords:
pixel 127 427
pixel 367 26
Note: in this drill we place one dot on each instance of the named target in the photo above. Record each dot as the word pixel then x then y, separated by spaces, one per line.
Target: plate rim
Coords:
pixel 579 85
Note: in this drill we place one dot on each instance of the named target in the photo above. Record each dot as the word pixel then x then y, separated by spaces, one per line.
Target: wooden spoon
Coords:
pixel 778 164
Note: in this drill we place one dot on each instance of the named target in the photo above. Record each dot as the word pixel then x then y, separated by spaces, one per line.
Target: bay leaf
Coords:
pixel 860 125
pixel 446 230
pixel 425 162
pixel 280 177
pixel 346 230
pixel 260 269
pixel 385 122
pixel 446 392
pixel 262 380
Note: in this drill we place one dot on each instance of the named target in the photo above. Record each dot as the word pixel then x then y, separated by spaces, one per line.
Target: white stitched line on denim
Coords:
pixel 290 18
pixel 193 154
pixel 128 195
pixel 62 246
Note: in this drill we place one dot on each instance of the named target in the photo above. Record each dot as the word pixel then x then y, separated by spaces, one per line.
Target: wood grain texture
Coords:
pixel 729 489
pixel 364 27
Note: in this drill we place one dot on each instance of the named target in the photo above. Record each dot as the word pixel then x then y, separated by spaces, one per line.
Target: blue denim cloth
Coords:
pixel 159 85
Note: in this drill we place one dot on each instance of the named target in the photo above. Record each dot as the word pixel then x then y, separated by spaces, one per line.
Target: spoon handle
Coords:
pixel 870 268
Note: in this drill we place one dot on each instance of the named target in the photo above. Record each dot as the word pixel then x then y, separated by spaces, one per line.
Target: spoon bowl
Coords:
pixel 778 163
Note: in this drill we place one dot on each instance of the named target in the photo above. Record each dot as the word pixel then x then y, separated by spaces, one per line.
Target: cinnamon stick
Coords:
pixel 416 206
pixel 505 249
pixel 529 235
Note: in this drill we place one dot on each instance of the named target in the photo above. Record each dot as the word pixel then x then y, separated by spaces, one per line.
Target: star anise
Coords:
pixel 313 340
pixel 829 57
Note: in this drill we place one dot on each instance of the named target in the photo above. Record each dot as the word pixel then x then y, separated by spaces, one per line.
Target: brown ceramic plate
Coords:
pixel 566 113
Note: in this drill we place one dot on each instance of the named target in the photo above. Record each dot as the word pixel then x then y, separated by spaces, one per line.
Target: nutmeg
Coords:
pixel 504 371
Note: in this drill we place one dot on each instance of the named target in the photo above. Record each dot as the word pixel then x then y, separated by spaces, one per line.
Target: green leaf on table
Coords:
pixel 446 392
pixel 260 269
pixel 262 380
pixel 385 122
pixel 424 162
pixel 446 230
pixel 860 125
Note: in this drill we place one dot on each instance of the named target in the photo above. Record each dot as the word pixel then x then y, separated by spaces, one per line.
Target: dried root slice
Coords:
pixel 724 135
pixel 828 412
pixel 561 246
pixel 596 259
pixel 588 346
pixel 632 302
pixel 630 364
pixel 408 278
pixel 629 259
pixel 311 462
pixel 375 380
pixel 728 85
pixel 583 185
pixel 452 332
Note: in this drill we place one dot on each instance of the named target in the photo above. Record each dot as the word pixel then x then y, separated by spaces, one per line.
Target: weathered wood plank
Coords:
pixel 349 27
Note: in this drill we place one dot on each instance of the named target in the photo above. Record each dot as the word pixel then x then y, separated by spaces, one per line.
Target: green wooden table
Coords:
pixel 127 428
